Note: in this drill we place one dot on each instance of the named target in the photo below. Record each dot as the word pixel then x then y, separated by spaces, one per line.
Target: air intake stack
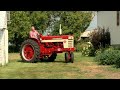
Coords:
pixel 60 30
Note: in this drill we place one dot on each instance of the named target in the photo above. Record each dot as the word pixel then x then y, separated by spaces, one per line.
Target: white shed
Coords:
pixel 3 38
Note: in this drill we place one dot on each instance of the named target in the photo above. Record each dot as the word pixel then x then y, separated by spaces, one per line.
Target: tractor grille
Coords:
pixel 70 43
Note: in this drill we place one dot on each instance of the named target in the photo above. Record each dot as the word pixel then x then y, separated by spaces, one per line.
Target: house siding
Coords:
pixel 3 38
pixel 108 19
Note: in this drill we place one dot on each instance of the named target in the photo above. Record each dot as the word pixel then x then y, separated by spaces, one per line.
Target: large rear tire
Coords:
pixel 30 51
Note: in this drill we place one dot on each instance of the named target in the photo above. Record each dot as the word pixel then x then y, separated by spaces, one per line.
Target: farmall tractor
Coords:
pixel 47 47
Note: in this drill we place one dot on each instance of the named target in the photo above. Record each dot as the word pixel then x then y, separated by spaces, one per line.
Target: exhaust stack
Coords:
pixel 60 30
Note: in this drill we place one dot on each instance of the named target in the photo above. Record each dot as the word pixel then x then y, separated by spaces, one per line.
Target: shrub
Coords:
pixel 80 43
pixel 117 47
pixel 95 38
pixel 117 63
pixel 100 38
pixel 101 50
pixel 87 49
pixel 108 57
pixel 78 49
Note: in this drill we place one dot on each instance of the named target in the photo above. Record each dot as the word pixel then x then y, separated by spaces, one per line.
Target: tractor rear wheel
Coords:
pixel 71 57
pixel 30 51
pixel 52 57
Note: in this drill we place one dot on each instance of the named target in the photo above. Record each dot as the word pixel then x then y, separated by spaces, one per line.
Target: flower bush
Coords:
pixel 87 49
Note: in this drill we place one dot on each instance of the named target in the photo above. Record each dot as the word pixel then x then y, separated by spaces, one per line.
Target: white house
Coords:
pixel 111 20
pixel 3 38
pixel 106 19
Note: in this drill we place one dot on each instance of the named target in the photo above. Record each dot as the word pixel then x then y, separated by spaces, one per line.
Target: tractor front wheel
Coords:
pixel 71 57
pixel 67 57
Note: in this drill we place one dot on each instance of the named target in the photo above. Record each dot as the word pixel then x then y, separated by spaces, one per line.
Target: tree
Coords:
pixel 72 22
pixel 18 28
pixel 21 22
pixel 40 19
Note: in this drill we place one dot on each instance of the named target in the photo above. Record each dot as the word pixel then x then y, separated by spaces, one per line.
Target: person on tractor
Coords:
pixel 33 33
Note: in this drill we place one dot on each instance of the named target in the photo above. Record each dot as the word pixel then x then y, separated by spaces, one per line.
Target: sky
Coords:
pixel 93 23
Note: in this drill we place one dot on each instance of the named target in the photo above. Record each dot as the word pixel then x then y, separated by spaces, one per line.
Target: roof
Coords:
pixel 85 34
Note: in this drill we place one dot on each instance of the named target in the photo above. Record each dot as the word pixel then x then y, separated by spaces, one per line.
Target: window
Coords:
pixel 118 21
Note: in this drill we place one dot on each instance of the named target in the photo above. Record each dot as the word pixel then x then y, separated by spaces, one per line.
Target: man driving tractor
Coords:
pixel 38 47
pixel 33 33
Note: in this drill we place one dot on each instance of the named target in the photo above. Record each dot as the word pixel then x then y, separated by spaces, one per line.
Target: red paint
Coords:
pixel 47 48
pixel 53 37
pixel 69 55
pixel 28 52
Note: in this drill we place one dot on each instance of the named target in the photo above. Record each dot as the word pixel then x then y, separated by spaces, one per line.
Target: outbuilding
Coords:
pixel 3 37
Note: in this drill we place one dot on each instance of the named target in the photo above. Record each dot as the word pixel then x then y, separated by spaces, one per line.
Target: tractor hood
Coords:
pixel 57 37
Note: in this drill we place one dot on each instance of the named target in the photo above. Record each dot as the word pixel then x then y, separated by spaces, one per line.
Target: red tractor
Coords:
pixel 47 47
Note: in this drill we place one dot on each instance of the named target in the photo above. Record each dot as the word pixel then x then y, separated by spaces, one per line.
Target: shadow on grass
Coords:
pixel 43 61
pixel 60 61
pixel 19 61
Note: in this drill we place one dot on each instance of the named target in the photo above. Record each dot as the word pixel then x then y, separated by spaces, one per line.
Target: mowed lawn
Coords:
pixel 82 68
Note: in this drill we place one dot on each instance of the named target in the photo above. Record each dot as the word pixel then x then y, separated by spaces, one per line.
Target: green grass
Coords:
pixel 82 68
